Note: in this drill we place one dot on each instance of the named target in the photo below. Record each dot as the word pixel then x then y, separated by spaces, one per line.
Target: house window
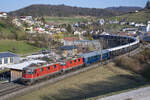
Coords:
pixel 0 60
pixel 5 60
pixel 11 60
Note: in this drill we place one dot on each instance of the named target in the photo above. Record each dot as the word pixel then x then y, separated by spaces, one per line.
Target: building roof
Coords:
pixel 147 34
pixel 20 66
pixel 71 38
pixel 67 47
pixel 7 54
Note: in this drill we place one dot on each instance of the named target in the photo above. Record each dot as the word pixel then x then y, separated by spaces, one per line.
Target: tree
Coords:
pixel 148 5
pixel 69 28
pixel 43 19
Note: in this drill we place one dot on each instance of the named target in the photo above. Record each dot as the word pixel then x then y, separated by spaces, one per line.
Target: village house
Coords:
pixel 68 50
pixel 16 22
pixel 29 30
pixel 7 58
pixel 69 40
pixel 3 15
pixel 101 21
pixel 146 37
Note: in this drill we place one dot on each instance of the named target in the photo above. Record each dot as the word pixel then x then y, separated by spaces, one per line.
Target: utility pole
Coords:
pixel 101 47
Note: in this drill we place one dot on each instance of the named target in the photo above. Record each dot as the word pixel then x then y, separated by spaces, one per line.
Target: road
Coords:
pixel 139 94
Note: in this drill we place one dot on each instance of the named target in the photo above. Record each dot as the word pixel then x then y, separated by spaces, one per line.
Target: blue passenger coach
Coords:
pixel 95 56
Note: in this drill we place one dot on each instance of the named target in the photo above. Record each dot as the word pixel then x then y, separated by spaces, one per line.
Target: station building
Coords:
pixel 7 58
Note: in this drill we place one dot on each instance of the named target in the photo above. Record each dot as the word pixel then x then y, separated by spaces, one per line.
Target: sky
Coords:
pixel 11 5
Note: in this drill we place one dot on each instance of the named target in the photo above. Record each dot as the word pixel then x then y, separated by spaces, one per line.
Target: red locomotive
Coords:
pixel 34 73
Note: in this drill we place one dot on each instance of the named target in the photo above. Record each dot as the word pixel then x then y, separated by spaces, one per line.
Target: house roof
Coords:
pixel 20 66
pixel 67 47
pixel 147 34
pixel 7 54
pixel 71 38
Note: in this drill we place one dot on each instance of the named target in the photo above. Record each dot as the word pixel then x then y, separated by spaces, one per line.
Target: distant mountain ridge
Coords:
pixel 62 11
pixel 65 11
pixel 124 9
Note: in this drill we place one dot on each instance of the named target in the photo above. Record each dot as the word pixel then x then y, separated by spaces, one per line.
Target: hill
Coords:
pixel 10 31
pixel 124 9
pixel 62 11
pixel 141 17
pixel 13 39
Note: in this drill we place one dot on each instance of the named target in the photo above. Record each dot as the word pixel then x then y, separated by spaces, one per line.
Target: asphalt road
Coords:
pixel 139 94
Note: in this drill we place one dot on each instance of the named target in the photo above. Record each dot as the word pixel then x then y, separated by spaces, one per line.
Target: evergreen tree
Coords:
pixel 148 5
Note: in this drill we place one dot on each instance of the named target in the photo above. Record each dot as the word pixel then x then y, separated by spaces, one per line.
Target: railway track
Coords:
pixel 13 89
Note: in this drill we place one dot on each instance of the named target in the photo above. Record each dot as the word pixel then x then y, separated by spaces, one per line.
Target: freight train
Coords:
pixel 34 73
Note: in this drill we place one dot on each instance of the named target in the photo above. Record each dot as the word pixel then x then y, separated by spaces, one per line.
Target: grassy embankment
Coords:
pixel 19 47
pixel 98 81
pixel 13 39
pixel 65 20
pixel 140 17
pixel 123 74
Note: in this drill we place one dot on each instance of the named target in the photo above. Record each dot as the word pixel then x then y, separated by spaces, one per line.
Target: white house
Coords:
pixel 77 33
pixel 148 27
pixel 7 58
pixel 3 15
pixel 101 21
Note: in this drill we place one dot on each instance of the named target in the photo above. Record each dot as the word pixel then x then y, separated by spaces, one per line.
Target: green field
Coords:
pixel 141 16
pixel 62 20
pixel 19 47
pixel 90 84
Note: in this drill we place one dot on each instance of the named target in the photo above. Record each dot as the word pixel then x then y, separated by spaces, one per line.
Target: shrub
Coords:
pixel 128 63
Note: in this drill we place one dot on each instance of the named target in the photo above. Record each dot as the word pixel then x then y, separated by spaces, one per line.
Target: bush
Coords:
pixel 128 63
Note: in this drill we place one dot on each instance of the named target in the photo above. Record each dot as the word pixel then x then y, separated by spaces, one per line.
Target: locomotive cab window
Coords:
pixel 35 71
pixel 75 61
pixel 41 69
pixel 29 72
pixel 70 62
pixel 54 66
pixel 48 68
pixel 79 60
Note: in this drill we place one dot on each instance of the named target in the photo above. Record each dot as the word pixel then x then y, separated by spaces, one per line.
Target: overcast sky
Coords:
pixel 10 5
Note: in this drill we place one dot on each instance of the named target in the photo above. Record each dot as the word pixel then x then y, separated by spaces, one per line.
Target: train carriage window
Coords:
pixel 24 72
pixel 70 62
pixel 54 66
pixel 79 60
pixel 35 71
pixel 48 68
pixel 41 70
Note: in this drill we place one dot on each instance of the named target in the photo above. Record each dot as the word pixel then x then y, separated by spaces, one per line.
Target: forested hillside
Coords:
pixel 62 11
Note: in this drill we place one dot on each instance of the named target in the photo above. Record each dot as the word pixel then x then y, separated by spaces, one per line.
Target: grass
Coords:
pixel 19 47
pixel 141 16
pixel 67 20
pixel 8 30
pixel 93 83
